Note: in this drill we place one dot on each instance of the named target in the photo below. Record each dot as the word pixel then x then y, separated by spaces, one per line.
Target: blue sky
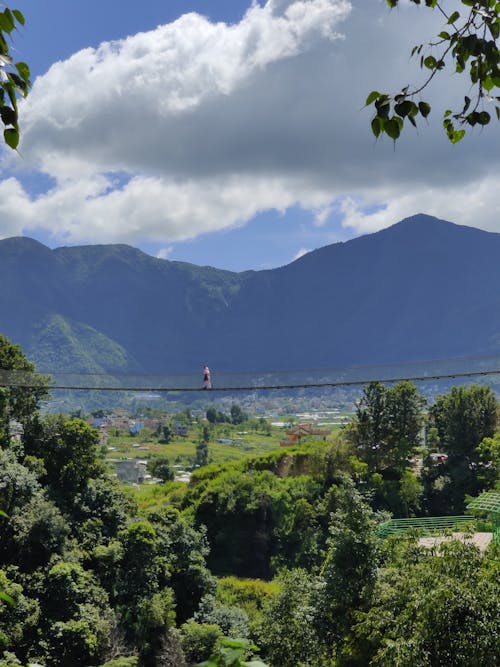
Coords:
pixel 227 133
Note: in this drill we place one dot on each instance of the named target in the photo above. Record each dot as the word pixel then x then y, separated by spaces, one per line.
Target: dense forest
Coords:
pixel 271 560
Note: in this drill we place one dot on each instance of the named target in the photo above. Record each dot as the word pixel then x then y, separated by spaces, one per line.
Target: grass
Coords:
pixel 182 450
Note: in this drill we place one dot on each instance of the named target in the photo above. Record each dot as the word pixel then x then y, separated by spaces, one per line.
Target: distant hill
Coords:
pixel 421 289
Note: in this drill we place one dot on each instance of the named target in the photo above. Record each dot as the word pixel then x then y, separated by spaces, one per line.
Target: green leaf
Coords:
pixel 8 115
pixel 472 118
pixel 372 97
pixel 19 16
pixel 11 137
pixel 444 35
pixel 483 118
pixel 24 71
pixel 392 128
pixel 403 108
pixel 488 83
pixel 376 126
pixel 453 17
pixel 383 105
pixel 458 135
pixel 7 21
pixel 494 28
pixel 424 109
pixel 430 62
pixel 6 598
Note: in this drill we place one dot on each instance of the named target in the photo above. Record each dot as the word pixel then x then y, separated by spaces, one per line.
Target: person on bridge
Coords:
pixel 207 383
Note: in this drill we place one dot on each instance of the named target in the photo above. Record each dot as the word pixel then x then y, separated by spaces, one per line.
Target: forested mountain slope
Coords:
pixel 421 289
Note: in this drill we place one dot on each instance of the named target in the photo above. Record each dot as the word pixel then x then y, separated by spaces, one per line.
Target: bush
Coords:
pixel 198 640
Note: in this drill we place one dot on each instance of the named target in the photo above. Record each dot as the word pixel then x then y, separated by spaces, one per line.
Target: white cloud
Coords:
pixel 474 204
pixel 164 253
pixel 197 126
pixel 300 253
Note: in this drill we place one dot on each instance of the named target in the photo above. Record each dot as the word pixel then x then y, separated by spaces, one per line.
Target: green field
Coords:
pixel 182 450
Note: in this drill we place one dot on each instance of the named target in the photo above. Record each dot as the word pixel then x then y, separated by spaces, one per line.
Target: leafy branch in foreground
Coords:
pixel 469 46
pixel 14 77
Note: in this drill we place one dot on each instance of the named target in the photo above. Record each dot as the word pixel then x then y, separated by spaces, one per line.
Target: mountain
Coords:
pixel 421 289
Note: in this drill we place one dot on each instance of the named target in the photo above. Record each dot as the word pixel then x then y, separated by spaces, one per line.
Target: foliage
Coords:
pixel 250 595
pixel 184 550
pixel 232 653
pixel 216 416
pixel 386 428
pixel 431 608
pixel 19 615
pixel 77 617
pixel 131 661
pixel 287 634
pixel 349 571
pixel 198 640
pixel 85 579
pixel 167 433
pixel 201 453
pixel 462 418
pixel 385 436
pixel 232 621
pixel 237 414
pixel 155 630
pixel 160 467
pixel 39 531
pixel 68 449
pixel 489 457
pixel 468 44
pixel 14 77
pixel 17 402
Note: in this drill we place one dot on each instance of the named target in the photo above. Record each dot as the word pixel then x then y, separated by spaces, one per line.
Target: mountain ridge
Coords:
pixel 422 288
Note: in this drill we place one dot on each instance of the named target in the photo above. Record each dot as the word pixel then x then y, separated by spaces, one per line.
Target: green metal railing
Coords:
pixel 427 525
pixel 489 502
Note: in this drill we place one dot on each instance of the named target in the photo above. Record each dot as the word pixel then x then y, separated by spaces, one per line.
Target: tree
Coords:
pixel 68 448
pixel 159 643
pixel 233 653
pixel 237 414
pixel 198 640
pixel 211 415
pixel 184 549
pixel 201 453
pixel 349 571
pixel 21 388
pixel 14 77
pixel 387 425
pixel 77 619
pixel 369 427
pixel 160 467
pixel 468 44
pixel 287 635
pixel 489 456
pixel 167 433
pixel 463 418
pixel 404 407
pixel 430 608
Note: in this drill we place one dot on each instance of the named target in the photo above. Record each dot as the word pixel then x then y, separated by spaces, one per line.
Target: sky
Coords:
pixel 230 133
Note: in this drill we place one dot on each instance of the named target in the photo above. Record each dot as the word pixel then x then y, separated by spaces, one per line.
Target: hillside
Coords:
pixel 421 289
